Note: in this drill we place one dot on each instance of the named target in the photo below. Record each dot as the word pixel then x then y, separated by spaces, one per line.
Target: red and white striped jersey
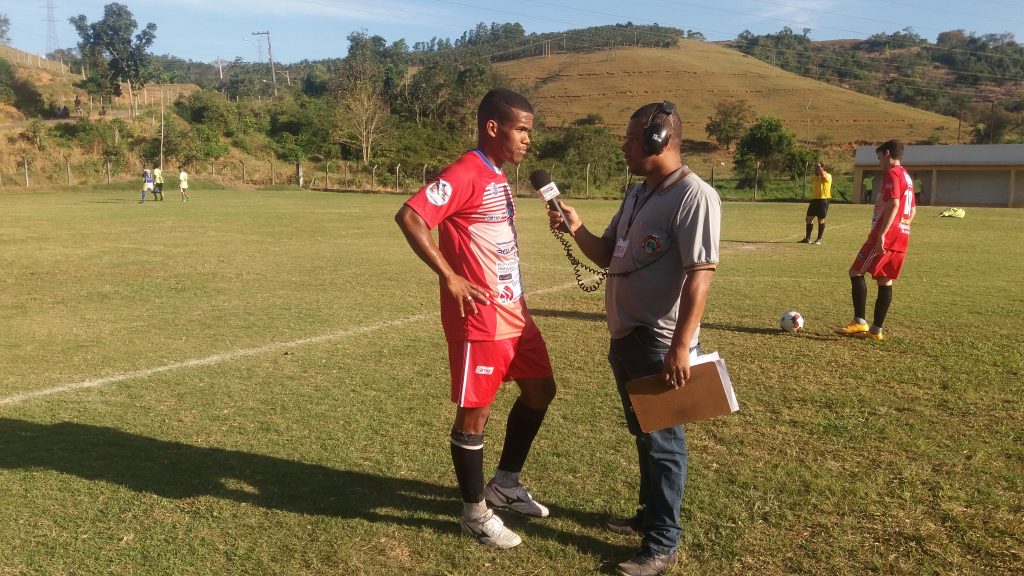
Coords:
pixel 472 206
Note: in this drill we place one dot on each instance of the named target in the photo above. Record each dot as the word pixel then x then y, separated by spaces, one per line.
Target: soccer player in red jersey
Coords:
pixel 883 253
pixel 491 336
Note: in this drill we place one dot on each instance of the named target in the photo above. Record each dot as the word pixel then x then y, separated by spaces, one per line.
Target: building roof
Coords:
pixel 950 155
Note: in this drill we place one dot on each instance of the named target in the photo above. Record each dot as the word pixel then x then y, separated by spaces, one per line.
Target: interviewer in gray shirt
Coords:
pixel 661 251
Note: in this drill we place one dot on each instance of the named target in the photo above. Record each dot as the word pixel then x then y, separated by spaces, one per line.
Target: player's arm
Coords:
pixel 417 234
pixel 692 298
pixel 889 208
pixel 598 248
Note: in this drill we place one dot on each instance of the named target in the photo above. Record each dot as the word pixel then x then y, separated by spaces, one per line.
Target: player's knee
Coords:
pixel 548 391
pixel 467 440
pixel 538 392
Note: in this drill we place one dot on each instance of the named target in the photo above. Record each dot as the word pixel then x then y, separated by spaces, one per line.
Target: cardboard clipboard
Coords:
pixel 707 394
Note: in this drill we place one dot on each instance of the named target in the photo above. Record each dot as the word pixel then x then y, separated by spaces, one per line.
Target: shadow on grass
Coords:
pixel 769 332
pixel 179 471
pixel 740 329
pixel 571 314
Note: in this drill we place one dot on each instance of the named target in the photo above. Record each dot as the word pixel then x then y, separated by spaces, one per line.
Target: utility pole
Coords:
pixel 161 129
pixel 270 56
pixel 992 124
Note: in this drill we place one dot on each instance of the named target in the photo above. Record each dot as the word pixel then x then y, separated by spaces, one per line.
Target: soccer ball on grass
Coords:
pixel 792 322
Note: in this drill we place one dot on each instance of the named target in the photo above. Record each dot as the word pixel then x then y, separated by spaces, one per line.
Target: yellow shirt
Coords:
pixel 822 187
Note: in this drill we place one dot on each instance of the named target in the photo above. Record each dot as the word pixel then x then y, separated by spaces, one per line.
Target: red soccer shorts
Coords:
pixel 479 367
pixel 887 265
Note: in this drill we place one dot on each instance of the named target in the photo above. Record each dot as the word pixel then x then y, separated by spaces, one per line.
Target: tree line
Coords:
pixel 384 104
pixel 975 77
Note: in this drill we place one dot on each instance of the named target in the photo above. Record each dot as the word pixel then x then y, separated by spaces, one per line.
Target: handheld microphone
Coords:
pixel 548 192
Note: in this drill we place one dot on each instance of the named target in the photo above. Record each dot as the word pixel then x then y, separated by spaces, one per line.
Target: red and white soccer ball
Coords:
pixel 792 322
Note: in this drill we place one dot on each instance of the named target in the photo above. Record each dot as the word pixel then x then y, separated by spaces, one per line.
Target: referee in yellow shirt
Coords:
pixel 821 193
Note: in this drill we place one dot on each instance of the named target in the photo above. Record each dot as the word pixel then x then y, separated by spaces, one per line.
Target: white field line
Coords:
pixel 207 361
pixel 228 356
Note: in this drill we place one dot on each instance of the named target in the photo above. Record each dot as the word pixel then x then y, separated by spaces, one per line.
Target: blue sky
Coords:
pixel 204 30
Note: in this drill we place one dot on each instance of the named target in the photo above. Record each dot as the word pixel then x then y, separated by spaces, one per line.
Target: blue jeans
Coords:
pixel 662 453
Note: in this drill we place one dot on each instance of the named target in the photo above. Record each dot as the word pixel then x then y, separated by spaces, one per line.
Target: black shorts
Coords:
pixel 817 208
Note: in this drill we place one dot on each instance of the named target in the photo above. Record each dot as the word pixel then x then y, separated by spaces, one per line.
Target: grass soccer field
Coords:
pixel 256 383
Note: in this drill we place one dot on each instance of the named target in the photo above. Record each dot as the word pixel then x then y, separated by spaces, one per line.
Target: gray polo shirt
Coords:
pixel 666 234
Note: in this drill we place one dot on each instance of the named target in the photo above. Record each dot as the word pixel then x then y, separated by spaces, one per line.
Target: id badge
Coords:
pixel 620 247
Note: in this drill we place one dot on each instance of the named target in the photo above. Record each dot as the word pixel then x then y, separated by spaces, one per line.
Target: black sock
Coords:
pixel 521 429
pixel 882 304
pixel 468 458
pixel 860 295
pixel 821 229
pixel 807 231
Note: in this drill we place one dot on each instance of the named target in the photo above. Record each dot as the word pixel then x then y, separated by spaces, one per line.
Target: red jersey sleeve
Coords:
pixel 441 198
pixel 892 185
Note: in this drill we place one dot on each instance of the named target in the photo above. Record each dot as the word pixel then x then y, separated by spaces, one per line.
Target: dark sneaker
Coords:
pixel 645 564
pixel 624 526
pixel 804 241
pixel 517 498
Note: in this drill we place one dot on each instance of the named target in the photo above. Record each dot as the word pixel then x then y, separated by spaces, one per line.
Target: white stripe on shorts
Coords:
pixel 867 261
pixel 465 373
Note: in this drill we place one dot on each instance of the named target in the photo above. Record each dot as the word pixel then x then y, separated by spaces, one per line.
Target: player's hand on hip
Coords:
pixel 468 295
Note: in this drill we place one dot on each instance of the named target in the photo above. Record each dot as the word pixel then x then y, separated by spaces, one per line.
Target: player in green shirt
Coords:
pixel 158 189
pixel 183 185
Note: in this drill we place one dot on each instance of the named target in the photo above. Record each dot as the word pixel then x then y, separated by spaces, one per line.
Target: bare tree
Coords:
pixel 363 118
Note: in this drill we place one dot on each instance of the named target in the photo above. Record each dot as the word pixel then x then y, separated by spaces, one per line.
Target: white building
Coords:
pixel 955 175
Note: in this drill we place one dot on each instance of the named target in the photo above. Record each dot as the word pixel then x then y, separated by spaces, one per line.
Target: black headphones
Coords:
pixel 657 134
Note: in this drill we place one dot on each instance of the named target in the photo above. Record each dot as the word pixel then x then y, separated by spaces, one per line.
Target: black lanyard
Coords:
pixel 664 184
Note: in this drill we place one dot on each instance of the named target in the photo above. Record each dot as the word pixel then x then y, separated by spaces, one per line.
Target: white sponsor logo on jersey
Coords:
pixel 485 370
pixel 439 193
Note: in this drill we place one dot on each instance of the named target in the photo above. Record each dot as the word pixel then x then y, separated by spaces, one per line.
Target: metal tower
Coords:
pixel 52 43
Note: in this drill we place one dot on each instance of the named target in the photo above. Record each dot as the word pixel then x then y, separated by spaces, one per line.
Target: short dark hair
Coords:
pixel 893 147
pixel 501 104
pixel 652 113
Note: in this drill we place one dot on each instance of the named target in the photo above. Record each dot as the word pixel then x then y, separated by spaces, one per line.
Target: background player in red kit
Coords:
pixel 883 253
pixel 491 336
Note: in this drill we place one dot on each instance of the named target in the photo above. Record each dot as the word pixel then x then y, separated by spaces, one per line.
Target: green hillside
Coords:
pixel 565 88
pixel 696 75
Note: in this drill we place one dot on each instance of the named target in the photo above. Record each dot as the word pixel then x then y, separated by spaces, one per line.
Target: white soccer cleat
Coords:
pixel 517 498
pixel 489 530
